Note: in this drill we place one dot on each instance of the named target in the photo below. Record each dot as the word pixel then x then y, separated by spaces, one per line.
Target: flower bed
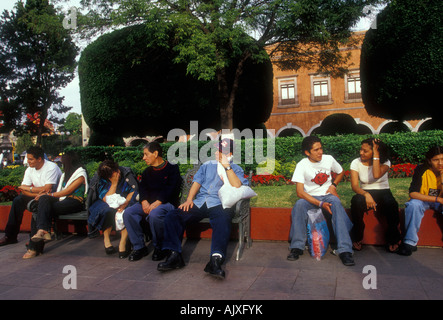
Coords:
pixel 269 180
pixel 396 171
pixel 8 193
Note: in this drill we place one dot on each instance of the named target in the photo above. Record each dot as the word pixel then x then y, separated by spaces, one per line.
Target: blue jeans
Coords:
pixel 341 223
pixel 132 218
pixel 414 212
pixel 219 218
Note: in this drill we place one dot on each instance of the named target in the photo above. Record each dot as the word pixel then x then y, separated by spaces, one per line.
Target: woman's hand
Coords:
pixel 370 203
pixel 115 177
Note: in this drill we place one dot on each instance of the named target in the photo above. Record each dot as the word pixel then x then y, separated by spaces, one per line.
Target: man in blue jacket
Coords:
pixel 203 202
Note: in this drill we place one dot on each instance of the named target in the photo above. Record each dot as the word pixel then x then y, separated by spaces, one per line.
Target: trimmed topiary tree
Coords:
pixel 130 87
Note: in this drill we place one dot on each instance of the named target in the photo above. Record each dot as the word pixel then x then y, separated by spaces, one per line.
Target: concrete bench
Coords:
pixel 241 218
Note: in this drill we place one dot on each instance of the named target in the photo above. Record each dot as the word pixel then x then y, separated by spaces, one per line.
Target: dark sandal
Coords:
pixel 356 245
pixel 393 248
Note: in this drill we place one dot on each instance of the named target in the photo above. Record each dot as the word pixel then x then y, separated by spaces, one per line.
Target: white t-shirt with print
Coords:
pixel 316 176
pixel 366 176
pixel 49 173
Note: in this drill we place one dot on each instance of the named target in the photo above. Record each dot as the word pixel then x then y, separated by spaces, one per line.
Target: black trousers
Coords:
pixel 50 207
pixel 18 207
pixel 387 206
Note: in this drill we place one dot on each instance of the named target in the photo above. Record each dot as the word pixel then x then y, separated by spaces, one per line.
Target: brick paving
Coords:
pixel 262 274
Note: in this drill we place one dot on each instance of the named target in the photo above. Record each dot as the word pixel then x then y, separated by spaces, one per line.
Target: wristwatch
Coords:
pixel 228 168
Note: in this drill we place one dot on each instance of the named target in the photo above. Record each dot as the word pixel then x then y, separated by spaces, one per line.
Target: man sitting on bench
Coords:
pixel 42 176
pixel 203 202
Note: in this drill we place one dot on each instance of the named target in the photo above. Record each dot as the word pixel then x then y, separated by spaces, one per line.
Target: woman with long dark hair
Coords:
pixel 369 180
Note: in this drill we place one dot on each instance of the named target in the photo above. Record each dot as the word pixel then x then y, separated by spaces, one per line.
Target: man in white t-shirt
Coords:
pixel 316 189
pixel 42 176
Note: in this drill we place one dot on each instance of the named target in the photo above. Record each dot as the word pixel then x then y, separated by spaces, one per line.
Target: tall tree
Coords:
pixel 401 64
pixel 211 36
pixel 129 87
pixel 37 59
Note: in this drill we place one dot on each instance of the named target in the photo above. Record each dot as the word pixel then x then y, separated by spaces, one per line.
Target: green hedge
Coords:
pixel 405 148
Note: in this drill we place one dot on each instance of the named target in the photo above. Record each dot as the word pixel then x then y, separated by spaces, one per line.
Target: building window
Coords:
pixel 320 90
pixel 353 87
pixel 287 97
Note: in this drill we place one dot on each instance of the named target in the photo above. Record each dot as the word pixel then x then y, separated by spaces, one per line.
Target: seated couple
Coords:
pixel 55 193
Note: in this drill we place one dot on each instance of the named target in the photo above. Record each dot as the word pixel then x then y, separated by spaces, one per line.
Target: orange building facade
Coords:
pixel 303 99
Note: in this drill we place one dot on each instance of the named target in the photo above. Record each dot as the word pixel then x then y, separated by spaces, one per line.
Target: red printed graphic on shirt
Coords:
pixel 320 178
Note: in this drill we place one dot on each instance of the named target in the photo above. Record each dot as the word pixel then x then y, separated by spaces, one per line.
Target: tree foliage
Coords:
pixel 37 58
pixel 130 87
pixel 402 61
pixel 211 37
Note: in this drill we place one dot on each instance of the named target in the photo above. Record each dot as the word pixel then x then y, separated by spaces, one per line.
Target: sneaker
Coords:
pixel 347 259
pixel 406 249
pixel 294 254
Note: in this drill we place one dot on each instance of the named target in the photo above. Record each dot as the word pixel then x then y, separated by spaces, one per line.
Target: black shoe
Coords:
pixel 110 250
pixel 174 261
pixel 295 253
pixel 406 249
pixel 138 254
pixel 159 254
pixel 93 232
pixel 125 254
pixel 214 267
pixel 347 259
pixel 5 240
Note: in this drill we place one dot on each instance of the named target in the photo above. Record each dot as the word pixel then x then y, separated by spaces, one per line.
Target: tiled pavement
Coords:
pixel 262 274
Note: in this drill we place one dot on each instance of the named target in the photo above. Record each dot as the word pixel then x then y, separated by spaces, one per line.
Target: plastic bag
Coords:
pixel 230 195
pixel 119 224
pixel 318 233
pixel 114 201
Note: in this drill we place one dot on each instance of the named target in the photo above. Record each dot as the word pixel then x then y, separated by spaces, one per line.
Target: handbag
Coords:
pixel 230 195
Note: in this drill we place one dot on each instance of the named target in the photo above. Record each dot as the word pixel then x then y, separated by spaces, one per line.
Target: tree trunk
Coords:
pixel 228 93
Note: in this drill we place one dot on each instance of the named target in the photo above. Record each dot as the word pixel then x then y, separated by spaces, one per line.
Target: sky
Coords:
pixel 72 92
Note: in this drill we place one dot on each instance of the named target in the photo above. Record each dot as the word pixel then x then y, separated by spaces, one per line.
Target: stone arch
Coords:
pixel 288 128
pixel 365 124
pixel 339 123
pixel 390 126
pixel 425 124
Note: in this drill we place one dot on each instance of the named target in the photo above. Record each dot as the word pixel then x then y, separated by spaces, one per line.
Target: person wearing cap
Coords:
pixel 203 202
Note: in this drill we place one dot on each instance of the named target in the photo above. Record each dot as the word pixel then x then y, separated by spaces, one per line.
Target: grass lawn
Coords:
pixel 286 196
